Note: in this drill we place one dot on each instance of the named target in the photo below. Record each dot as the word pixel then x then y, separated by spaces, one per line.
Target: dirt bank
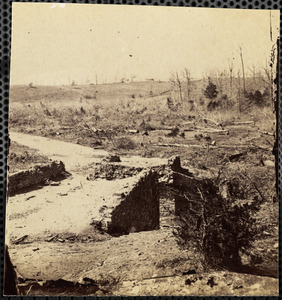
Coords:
pixel 34 176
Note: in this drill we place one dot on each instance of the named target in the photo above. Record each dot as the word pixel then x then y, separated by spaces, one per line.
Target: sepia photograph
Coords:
pixel 143 151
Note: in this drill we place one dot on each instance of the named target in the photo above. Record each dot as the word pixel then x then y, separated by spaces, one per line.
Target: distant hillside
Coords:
pixel 132 90
pixel 102 91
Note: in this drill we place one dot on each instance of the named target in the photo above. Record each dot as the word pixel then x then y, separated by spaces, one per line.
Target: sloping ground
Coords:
pixel 56 224
pixel 144 263
pixel 129 257
pixel 21 157
pixel 69 93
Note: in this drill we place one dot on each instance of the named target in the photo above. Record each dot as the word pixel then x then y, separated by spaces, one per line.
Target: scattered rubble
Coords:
pixel 114 158
pixel 268 163
pixel 113 171
pixel 20 240
pixel 212 284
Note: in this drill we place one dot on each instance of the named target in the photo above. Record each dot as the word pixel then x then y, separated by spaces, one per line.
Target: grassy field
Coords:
pixel 99 116
pixel 135 118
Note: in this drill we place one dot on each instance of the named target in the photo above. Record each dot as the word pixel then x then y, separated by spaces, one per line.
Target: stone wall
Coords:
pixel 138 209
pixel 34 176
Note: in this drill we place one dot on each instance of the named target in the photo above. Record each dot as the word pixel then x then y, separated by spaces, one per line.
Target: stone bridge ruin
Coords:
pixel 134 203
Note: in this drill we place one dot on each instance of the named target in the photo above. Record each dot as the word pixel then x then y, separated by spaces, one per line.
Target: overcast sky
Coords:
pixel 59 43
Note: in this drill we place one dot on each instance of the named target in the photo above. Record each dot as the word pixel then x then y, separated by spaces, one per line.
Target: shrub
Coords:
pixel 169 103
pixel 224 97
pixel 145 126
pixel 211 91
pixel 124 143
pixel 222 102
pixel 257 98
pixel 213 104
pixel 201 101
pixel 47 112
pixel 219 227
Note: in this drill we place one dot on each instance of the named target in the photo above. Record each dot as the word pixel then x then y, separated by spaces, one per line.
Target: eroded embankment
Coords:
pixel 36 175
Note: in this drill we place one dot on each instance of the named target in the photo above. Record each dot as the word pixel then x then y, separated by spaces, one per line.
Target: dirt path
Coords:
pixel 76 156
pixel 72 155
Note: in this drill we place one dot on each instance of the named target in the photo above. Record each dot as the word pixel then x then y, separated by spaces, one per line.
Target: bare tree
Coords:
pixel 179 87
pixel 31 85
pixel 239 91
pixel 187 76
pixel 253 71
pixel 268 70
pixel 176 83
pixel 219 81
pixel 231 77
pixel 243 70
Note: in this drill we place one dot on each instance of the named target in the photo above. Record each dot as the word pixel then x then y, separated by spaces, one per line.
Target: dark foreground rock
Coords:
pixel 10 277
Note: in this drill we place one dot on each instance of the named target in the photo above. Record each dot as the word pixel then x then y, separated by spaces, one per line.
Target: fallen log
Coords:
pixel 20 240
pixel 189 123
pixel 212 121
pixel 234 146
pixel 166 128
pixel 210 130
pixel 196 128
pixel 178 145
pixel 133 131
pixel 262 148
pixel 243 123
pixel 235 157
